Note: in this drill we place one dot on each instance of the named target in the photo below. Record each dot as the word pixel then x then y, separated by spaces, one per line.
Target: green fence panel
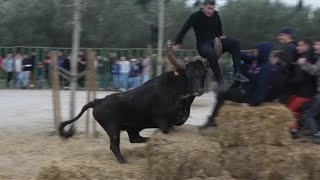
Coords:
pixel 42 74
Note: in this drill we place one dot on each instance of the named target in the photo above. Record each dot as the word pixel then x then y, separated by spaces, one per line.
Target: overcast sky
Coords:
pixel 313 3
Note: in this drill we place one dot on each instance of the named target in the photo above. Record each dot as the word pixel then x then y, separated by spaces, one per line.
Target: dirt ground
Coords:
pixel 26 140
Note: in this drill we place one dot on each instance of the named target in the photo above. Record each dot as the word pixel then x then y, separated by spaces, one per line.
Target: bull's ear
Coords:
pixel 198 58
pixel 202 60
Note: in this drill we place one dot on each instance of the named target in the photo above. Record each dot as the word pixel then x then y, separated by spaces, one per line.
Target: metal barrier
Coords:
pixel 42 73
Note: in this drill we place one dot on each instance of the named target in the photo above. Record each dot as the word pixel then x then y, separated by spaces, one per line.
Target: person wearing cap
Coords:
pixel 207 26
pixel 286 37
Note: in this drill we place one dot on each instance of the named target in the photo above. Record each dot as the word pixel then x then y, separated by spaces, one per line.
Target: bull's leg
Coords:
pixel 135 137
pixel 163 125
pixel 114 135
pixel 187 107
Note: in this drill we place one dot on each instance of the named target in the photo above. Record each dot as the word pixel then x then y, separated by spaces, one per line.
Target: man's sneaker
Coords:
pixel 294 133
pixel 306 133
pixel 239 77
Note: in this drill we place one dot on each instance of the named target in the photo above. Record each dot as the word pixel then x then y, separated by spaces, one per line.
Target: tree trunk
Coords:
pixel 160 36
pixel 75 52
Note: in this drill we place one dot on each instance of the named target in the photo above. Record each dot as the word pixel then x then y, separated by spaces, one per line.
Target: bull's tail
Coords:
pixel 71 131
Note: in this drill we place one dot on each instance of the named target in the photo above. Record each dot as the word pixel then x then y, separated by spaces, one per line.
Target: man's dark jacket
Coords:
pixel 206 28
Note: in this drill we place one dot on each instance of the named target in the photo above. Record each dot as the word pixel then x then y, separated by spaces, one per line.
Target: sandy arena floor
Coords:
pixel 26 121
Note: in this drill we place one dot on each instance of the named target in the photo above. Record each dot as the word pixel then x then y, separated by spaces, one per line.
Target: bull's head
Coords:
pixel 194 71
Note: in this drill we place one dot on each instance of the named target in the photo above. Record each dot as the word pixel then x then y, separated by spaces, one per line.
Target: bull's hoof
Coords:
pixel 165 131
pixel 123 161
pixel 139 140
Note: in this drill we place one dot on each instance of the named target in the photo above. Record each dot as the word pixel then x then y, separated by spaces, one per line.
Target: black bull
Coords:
pixel 161 103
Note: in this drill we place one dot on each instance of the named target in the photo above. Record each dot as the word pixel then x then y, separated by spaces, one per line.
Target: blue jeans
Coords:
pixel 310 116
pixel 124 80
pixel 25 78
pixel 19 79
pixel 116 81
pixel 145 78
pixel 139 80
pixel 133 82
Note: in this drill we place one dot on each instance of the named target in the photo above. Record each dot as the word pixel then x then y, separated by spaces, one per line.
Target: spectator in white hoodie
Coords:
pixel 18 70
pixel 125 68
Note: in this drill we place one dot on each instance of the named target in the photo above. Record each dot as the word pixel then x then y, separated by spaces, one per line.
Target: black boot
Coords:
pixel 239 77
pixel 316 138
pixel 210 123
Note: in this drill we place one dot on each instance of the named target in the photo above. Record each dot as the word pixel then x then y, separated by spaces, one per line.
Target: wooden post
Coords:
pixel 91 90
pixel 55 90
pixel 94 123
pixel 94 89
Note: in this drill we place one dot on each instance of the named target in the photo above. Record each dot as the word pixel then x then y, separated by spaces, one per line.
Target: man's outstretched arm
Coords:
pixel 220 27
pixel 184 30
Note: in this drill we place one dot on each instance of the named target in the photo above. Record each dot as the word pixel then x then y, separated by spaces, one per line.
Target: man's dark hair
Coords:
pixel 278 54
pixel 307 41
pixel 209 2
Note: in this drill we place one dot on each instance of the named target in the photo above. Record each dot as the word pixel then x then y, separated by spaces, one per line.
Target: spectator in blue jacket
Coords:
pixel 134 74
pixel 116 75
pixel 61 60
pixel 260 74
pixel 258 89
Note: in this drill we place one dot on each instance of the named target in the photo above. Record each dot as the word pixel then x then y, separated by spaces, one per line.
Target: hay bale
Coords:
pixel 264 125
pixel 263 163
pixel 224 176
pixel 88 168
pixel 310 159
pixel 96 163
pixel 182 154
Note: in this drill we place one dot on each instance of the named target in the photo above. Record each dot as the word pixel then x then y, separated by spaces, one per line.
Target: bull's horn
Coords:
pixel 172 58
pixel 217 47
